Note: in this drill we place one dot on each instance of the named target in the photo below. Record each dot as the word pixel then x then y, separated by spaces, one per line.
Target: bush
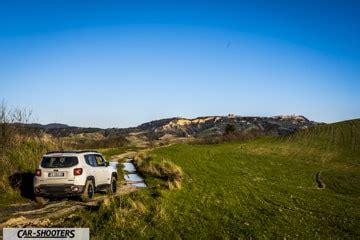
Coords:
pixel 230 129
pixel 163 169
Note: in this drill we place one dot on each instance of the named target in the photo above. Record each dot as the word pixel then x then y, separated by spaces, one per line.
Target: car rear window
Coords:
pixel 59 162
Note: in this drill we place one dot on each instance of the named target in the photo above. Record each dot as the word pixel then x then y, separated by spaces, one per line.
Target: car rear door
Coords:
pixel 58 169
pixel 102 169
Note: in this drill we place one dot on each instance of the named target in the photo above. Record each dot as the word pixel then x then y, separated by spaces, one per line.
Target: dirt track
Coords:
pixel 32 215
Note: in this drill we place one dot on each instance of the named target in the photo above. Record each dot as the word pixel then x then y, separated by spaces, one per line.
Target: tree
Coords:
pixel 230 129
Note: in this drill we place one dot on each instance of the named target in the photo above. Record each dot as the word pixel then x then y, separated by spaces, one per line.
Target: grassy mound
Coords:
pixel 153 168
pixel 163 169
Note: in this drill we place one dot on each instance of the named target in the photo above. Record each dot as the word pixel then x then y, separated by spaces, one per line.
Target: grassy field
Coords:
pixel 303 186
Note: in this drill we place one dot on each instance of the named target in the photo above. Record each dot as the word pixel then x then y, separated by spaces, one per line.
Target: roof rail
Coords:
pixel 72 151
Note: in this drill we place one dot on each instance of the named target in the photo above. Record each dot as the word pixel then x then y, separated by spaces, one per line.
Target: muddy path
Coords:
pixel 32 214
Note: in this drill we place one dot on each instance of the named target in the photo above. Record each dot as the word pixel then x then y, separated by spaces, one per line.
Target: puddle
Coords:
pixel 113 164
pixel 129 167
pixel 139 185
pixel 132 178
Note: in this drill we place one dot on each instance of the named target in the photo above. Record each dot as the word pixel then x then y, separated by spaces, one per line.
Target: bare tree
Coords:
pixel 11 121
pixel 20 115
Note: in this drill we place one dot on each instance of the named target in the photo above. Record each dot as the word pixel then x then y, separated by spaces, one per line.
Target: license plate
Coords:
pixel 56 174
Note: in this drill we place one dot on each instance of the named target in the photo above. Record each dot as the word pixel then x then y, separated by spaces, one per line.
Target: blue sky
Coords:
pixel 119 64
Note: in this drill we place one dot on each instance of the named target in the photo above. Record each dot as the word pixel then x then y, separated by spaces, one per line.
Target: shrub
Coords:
pixel 163 169
pixel 230 129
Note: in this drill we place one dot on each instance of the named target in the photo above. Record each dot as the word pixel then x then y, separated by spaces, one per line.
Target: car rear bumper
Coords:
pixel 63 190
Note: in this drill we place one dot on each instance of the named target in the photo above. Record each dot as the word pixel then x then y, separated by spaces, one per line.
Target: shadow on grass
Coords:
pixel 24 182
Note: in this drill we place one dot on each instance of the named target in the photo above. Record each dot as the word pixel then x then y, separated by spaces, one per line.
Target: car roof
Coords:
pixel 69 153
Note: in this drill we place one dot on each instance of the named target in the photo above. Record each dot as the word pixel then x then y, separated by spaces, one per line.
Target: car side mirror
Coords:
pixel 107 164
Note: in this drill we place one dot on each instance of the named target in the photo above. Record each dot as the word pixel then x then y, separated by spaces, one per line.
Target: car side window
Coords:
pixel 100 161
pixel 91 160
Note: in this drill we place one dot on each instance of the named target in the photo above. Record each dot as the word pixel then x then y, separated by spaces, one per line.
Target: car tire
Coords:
pixel 89 191
pixel 41 200
pixel 113 185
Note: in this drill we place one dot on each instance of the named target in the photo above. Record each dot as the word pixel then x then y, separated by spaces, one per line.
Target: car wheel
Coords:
pixel 41 200
pixel 113 185
pixel 89 191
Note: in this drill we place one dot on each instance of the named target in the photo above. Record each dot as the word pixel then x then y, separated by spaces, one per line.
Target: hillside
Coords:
pixel 182 128
pixel 49 126
pixel 305 186
pixel 215 125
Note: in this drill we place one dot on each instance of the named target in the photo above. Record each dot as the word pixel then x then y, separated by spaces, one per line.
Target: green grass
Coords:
pixel 258 189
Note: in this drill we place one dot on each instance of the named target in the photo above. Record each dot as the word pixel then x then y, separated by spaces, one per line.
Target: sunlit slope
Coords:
pixel 306 184
pixel 341 138
pixel 337 147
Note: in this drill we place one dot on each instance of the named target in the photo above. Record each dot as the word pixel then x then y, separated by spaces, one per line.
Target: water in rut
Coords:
pixel 131 176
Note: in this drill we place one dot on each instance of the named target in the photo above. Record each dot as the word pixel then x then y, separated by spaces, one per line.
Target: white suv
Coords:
pixel 73 173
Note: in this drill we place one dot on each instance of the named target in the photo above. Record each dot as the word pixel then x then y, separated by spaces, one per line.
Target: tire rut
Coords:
pixel 319 182
pixel 51 214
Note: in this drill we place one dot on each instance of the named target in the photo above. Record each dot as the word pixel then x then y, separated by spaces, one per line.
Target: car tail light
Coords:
pixel 77 171
pixel 38 172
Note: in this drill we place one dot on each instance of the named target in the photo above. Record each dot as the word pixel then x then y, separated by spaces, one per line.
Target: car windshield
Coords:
pixel 59 162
